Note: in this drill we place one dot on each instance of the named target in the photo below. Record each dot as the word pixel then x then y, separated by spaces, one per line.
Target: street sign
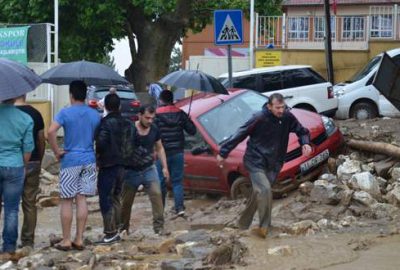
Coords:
pixel 228 27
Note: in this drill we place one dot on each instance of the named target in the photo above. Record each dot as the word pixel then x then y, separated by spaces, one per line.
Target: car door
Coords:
pixel 201 171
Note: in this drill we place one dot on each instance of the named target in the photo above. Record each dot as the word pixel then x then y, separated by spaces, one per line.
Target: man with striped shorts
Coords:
pixel 78 162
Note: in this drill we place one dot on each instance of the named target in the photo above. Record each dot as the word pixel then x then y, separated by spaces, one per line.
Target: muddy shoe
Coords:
pixel 260 232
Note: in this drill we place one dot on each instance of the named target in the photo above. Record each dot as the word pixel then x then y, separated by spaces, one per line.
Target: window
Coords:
pixel 223 121
pixel 245 82
pixel 298 28
pixel 319 28
pixel 272 81
pixel 396 59
pixel 382 26
pixel 192 141
pixel 381 21
pixel 353 28
pixel 301 77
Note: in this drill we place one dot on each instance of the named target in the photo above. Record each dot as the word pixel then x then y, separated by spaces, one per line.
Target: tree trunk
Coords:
pixel 155 40
pixel 376 147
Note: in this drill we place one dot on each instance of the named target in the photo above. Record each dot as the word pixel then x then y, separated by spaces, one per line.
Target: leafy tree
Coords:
pixel 87 27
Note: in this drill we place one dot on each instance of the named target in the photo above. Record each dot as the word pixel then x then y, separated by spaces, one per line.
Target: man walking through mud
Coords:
pixel 265 153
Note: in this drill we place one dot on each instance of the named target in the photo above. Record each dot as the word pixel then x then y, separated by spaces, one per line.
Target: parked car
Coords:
pixel 359 99
pixel 301 86
pixel 130 104
pixel 219 116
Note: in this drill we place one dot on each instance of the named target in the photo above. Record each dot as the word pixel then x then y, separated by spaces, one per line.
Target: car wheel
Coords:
pixel 363 111
pixel 306 107
pixel 241 188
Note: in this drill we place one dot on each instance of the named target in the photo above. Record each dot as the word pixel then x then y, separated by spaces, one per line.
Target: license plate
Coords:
pixel 309 164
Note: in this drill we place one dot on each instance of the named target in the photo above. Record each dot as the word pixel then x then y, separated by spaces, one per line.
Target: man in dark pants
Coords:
pixel 33 168
pixel 148 140
pixel 109 143
pixel 172 123
pixel 269 135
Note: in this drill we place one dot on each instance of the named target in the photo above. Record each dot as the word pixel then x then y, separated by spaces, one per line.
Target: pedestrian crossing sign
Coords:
pixel 228 28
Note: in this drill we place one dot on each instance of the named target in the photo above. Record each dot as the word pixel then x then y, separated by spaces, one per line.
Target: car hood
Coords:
pixel 309 120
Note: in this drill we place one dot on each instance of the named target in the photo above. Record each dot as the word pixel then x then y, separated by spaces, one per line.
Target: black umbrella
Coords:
pixel 89 72
pixel 16 79
pixel 195 80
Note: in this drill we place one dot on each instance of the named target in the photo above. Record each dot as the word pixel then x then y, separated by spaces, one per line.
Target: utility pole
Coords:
pixel 328 42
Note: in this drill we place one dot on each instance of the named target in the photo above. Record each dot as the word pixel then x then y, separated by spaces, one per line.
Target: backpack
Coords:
pixel 134 155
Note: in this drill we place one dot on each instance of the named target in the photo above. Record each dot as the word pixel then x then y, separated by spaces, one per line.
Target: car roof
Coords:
pixel 205 101
pixel 393 52
pixel 263 70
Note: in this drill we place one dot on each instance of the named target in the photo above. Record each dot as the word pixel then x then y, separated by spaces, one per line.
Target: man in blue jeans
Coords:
pixel 109 144
pixel 16 145
pixel 147 140
pixel 173 122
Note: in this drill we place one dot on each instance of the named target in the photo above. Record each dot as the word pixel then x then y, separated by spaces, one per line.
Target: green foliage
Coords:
pixel 87 27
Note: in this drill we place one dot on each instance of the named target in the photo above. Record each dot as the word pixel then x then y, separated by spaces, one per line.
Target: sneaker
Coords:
pixel 181 213
pixel 109 240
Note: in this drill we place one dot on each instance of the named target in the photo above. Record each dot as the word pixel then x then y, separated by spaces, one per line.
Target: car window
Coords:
pixel 366 70
pixel 271 81
pixel 192 141
pixel 370 80
pixel 123 94
pixel 300 77
pixel 225 119
pixel 245 82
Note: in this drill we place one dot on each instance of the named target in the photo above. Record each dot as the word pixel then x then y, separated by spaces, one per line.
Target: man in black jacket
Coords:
pixel 109 143
pixel 269 135
pixel 172 122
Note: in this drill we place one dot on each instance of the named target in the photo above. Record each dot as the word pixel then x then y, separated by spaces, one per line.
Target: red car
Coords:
pixel 219 116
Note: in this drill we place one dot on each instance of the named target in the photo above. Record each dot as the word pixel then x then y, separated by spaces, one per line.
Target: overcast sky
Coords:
pixel 122 55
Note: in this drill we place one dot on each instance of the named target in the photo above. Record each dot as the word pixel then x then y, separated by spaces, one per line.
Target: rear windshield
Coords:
pixel 124 94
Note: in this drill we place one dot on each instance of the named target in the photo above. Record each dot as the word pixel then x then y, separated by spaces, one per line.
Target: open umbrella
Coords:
pixel 89 72
pixel 196 80
pixel 16 79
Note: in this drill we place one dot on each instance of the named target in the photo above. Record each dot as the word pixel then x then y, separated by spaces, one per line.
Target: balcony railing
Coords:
pixel 347 32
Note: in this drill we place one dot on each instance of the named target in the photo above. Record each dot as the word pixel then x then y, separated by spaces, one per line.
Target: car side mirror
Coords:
pixel 200 150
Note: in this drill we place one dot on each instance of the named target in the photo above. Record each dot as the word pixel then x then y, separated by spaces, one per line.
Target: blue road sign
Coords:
pixel 228 27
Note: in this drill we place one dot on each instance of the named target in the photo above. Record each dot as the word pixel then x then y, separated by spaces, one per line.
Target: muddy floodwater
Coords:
pixel 373 246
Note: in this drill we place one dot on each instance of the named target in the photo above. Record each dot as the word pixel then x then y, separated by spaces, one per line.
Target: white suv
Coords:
pixel 359 99
pixel 301 86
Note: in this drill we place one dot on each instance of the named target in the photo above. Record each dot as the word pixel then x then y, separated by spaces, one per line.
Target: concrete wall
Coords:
pixel 346 63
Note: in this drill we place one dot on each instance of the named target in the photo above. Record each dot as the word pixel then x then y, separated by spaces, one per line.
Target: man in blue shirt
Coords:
pixel 16 145
pixel 78 162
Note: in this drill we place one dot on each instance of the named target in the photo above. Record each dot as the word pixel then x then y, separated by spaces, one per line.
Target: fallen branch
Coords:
pixel 376 147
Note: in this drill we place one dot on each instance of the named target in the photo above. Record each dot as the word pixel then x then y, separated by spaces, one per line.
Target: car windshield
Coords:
pixel 225 119
pixel 366 70
pixel 123 94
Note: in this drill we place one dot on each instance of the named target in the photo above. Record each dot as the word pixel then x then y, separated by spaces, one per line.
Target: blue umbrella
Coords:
pixel 16 79
pixel 89 72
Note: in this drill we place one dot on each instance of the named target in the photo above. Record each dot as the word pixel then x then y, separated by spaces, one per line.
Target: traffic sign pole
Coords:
pixel 230 65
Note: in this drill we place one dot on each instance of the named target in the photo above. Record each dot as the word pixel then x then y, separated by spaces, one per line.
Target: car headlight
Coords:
pixel 339 93
pixel 329 125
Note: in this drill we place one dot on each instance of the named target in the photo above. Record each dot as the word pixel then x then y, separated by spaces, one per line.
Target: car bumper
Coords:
pixel 343 109
pixel 290 176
